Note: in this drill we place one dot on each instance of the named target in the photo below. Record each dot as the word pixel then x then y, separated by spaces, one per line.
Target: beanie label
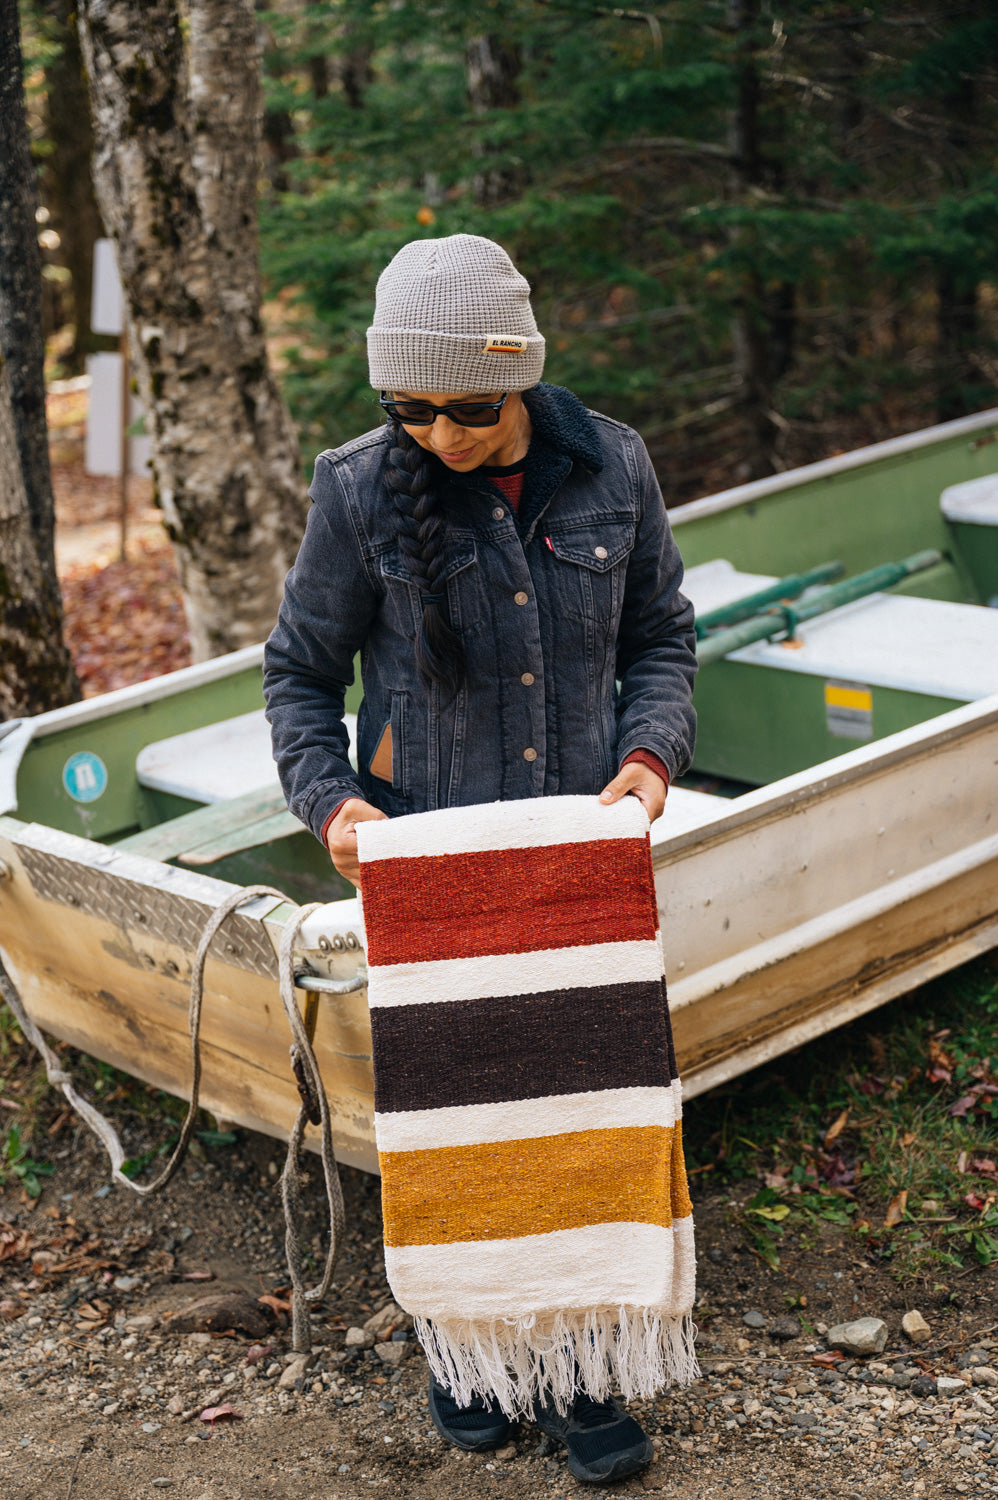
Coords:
pixel 504 343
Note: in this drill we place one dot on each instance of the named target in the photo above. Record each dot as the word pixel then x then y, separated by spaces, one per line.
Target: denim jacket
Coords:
pixel 579 646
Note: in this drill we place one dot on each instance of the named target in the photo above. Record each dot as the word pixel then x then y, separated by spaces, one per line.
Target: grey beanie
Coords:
pixel 453 316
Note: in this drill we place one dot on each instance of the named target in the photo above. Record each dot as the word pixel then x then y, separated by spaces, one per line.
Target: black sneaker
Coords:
pixel 603 1442
pixel 475 1427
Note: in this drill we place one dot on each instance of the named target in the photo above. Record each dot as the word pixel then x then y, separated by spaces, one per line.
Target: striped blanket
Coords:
pixel 527 1105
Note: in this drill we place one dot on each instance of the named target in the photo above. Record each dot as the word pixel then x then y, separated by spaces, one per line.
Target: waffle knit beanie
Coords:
pixel 453 316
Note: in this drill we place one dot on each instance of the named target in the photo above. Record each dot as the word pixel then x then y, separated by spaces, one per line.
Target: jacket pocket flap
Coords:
pixel 394 563
pixel 597 547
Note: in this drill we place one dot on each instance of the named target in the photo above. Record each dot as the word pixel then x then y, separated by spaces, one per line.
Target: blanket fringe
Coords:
pixel 638 1351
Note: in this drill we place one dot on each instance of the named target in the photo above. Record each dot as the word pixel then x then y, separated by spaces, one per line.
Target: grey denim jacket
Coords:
pixel 555 608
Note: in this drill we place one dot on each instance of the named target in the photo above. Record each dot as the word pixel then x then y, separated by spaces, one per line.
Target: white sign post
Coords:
pixel 113 409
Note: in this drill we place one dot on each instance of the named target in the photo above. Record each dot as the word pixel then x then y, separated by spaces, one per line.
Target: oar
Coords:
pixel 784 619
pixel 784 588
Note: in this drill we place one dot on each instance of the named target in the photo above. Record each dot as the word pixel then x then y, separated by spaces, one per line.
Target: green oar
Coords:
pixel 784 620
pixel 790 587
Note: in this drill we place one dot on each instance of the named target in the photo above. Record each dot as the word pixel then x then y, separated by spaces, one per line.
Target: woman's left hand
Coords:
pixel 641 782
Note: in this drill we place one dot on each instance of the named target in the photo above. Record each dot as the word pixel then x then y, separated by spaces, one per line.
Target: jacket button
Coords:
pixel 520 598
pixel 530 754
pixel 527 679
pixel 498 513
pixel 600 552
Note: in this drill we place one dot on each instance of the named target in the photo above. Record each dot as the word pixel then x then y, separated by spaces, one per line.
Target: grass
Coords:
pixel 887 1127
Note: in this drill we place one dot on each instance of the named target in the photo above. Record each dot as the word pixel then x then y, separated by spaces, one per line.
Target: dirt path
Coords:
pixel 98 1387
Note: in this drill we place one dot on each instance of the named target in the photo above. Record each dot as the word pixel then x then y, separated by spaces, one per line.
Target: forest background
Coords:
pixel 761 233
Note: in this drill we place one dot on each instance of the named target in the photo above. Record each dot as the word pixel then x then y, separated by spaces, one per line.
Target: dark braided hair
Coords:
pixel 422 531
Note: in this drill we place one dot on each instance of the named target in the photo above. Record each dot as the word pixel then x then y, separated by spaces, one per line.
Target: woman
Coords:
pixel 502 560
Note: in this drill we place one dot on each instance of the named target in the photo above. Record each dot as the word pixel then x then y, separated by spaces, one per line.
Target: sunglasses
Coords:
pixel 463 413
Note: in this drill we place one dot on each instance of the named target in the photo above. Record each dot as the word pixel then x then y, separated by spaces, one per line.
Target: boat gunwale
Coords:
pixel 828 468
pixel 765 804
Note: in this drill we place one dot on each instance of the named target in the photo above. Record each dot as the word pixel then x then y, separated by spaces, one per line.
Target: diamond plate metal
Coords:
pixel 142 907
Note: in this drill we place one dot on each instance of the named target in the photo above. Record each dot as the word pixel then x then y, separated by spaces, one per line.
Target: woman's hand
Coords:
pixel 341 836
pixel 642 782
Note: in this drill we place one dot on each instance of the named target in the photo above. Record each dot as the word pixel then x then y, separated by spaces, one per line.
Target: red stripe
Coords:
pixel 508 901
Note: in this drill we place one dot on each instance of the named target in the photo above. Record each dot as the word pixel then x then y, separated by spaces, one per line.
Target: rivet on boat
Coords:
pixel 231 948
pixel 352 941
pixel 148 960
pixel 6 873
pixel 139 916
pixel 171 967
pixel 338 944
pixel 325 944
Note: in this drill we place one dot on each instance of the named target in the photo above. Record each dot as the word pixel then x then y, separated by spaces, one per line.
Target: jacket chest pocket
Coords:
pixel 462 584
pixel 587 568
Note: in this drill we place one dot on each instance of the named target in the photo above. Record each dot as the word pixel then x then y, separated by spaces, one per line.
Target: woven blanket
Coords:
pixel 527 1105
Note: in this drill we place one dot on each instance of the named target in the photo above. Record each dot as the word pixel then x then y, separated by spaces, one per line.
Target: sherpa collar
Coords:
pixel 563 434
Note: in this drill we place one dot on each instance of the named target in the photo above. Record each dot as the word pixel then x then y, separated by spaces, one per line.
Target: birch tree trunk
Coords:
pixel 36 671
pixel 175 89
pixel 492 70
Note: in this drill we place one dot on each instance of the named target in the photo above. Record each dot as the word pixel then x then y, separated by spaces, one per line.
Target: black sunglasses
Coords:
pixel 463 413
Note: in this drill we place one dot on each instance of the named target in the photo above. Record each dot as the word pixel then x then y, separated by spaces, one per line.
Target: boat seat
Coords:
pixel 712 585
pixel 931 647
pixel 229 768
pixel 973 503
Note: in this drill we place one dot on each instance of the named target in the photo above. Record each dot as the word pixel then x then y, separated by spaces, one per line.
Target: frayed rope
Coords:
pixel 638 1351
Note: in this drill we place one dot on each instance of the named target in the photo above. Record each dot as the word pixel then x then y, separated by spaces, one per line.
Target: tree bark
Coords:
pixel 21 338
pixel 749 325
pixel 67 183
pixel 36 672
pixel 493 69
pixel 176 95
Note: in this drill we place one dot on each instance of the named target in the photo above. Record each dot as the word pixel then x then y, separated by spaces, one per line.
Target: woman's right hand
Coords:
pixel 341 836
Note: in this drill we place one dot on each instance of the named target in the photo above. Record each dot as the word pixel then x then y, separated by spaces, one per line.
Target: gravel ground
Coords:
pixel 101 1393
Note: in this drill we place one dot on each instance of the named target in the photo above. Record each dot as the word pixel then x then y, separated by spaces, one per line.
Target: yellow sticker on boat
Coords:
pixel 837 695
pixel 849 710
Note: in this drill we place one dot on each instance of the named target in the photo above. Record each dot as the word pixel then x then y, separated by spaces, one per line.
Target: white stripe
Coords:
pixel 526 1119
pixel 597 1265
pixel 447 979
pixel 534 823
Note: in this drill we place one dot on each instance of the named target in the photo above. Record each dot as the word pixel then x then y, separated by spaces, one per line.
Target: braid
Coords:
pixel 439 652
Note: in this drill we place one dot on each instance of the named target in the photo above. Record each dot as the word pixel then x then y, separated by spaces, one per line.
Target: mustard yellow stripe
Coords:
pixel 840 697
pixel 679 1188
pixel 505 1189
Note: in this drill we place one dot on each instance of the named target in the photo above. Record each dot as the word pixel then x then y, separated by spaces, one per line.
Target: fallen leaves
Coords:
pixel 125 622
pixel 224 1413
pixel 836 1128
pixel 896 1209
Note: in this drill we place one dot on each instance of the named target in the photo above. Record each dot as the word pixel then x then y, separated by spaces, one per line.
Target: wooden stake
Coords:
pixel 125 445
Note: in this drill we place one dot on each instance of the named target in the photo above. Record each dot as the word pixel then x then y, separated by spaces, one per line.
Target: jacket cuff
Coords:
pixel 324 802
pixel 650 759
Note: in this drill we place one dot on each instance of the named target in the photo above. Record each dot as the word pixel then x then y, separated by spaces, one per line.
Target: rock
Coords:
pixel 864 1336
pixel 359 1338
pixel 392 1353
pixel 924 1385
pixel 293 1372
pixel 783 1329
pixel 10 1309
pixel 162 1483
pixel 220 1311
pixel 915 1327
pixel 505 1453
pixel 386 1319
pixel 110 1409
pixel 950 1385
pixel 753 1319
pixel 984 1375
pixel 126 1283
pixel 742 1345
pixel 141 1323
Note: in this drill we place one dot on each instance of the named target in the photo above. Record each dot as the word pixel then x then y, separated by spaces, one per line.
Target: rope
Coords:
pixel 305 1064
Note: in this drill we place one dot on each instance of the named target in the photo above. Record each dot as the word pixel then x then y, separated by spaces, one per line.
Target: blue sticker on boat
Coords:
pixel 84 776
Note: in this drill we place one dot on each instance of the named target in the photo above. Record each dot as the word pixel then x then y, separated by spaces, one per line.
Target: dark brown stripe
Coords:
pixel 508 901
pixel 436 1055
